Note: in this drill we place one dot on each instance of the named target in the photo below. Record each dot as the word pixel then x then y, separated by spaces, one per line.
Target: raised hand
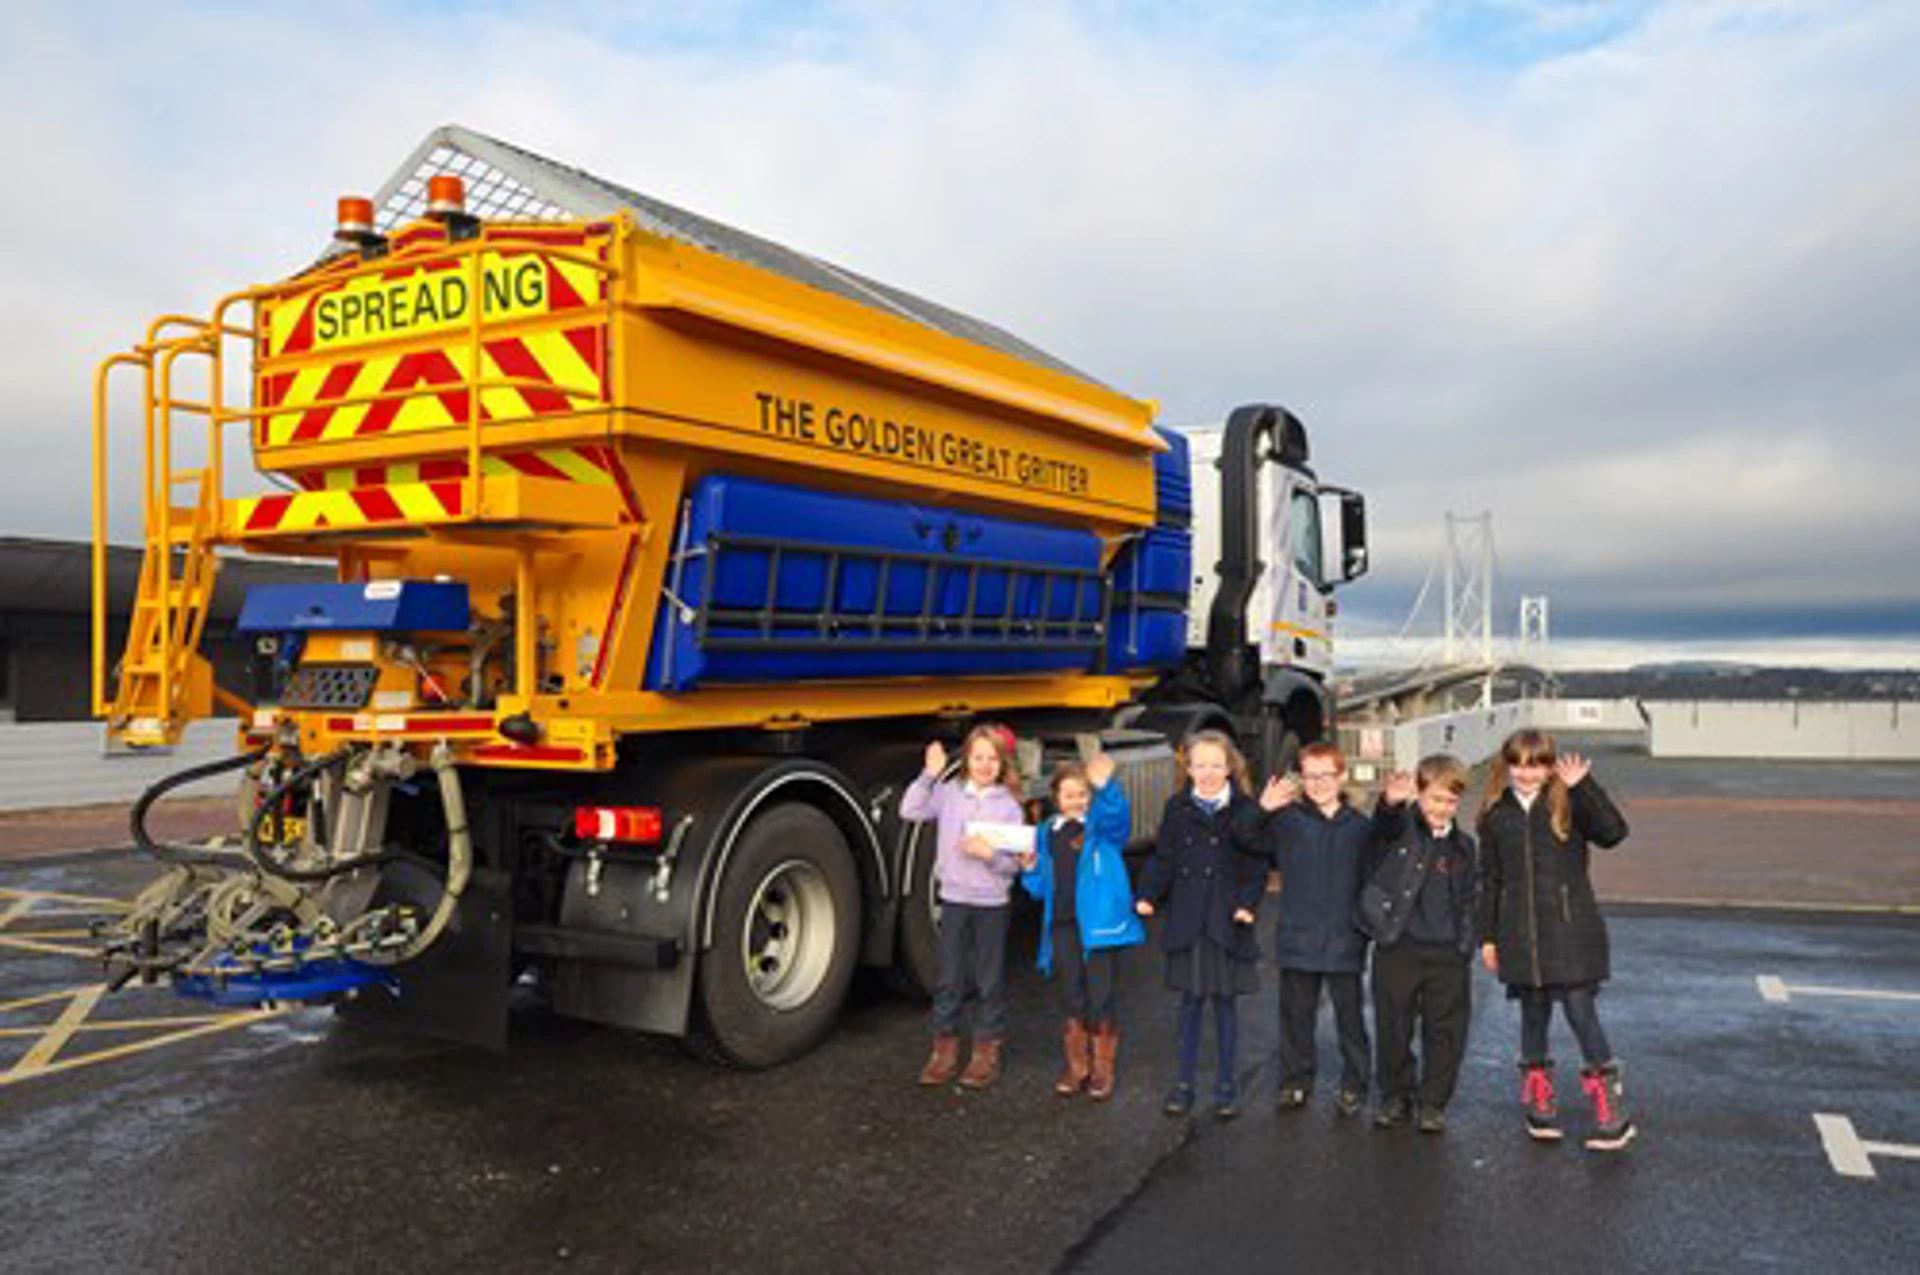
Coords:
pixel 936 759
pixel 1099 770
pixel 1572 768
pixel 1399 788
pixel 1281 790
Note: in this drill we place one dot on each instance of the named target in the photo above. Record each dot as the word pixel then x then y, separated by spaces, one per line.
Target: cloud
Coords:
pixel 1642 279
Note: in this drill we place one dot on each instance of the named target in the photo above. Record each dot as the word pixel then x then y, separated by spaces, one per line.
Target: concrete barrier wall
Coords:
pixel 66 764
pixel 1785 729
pixel 1473 735
pixel 1592 716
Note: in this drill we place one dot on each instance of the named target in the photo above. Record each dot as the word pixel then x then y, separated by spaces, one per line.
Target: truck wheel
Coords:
pixel 786 934
pixel 915 965
pixel 1279 747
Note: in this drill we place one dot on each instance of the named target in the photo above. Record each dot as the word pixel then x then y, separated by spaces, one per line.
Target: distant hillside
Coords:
pixel 1716 679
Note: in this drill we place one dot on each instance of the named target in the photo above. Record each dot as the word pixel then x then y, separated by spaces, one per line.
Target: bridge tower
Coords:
pixel 1468 614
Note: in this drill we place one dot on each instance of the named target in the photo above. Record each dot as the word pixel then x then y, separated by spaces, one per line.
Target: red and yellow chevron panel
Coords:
pixel 357 367
pixel 562 486
pixel 591 465
pixel 368 507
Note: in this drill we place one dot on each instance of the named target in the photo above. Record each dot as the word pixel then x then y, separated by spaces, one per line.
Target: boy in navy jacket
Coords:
pixel 1322 848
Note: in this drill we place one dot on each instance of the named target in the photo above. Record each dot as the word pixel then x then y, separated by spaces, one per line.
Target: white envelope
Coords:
pixel 1008 838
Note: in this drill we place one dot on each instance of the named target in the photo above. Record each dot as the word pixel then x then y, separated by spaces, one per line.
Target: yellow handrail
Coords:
pixel 99 633
pixel 163 346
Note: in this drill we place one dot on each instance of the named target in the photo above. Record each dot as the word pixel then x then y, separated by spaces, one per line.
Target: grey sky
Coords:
pixel 1642 279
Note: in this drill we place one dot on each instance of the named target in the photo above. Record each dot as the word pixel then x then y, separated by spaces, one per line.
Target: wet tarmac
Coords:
pixel 291 1143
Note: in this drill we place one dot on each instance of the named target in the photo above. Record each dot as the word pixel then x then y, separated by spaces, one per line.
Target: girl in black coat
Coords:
pixel 1540 925
pixel 1207 874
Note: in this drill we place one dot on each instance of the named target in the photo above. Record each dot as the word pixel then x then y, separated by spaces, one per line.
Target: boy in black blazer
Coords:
pixel 1419 907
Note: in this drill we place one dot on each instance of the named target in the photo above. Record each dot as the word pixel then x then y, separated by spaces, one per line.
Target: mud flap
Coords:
pixel 456 990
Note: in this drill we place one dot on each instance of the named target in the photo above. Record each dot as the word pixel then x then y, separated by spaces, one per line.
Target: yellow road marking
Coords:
pixel 41 1052
pixel 56 949
pixel 34 896
pixel 245 1018
pixel 28 1002
pixel 126 1024
pixel 42 1057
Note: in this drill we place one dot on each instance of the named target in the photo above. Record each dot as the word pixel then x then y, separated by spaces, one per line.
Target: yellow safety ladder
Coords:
pixel 163 681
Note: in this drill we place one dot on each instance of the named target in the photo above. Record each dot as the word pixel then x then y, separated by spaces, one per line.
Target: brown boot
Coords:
pixel 944 1062
pixel 1106 1056
pixel 1074 1042
pixel 984 1067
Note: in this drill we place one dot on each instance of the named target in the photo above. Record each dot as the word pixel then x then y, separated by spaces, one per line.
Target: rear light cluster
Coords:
pixel 639 824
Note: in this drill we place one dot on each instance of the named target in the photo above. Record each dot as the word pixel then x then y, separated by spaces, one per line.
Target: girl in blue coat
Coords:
pixel 1077 873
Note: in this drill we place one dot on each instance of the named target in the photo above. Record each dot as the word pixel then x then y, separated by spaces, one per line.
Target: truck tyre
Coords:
pixel 915 963
pixel 1279 747
pixel 786 935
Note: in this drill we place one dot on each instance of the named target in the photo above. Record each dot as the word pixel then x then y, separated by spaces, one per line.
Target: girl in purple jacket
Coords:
pixel 972 880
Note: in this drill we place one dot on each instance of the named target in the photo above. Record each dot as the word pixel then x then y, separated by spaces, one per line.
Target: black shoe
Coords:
pixel 1433 1119
pixel 1347 1102
pixel 1179 1100
pixel 1292 1098
pixel 1225 1104
pixel 1393 1113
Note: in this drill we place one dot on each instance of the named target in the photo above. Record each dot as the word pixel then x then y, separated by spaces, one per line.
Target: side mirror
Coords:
pixel 1353 535
pixel 1353 532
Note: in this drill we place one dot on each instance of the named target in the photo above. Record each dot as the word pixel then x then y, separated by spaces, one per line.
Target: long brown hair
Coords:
pixel 1236 761
pixel 1001 737
pixel 1525 747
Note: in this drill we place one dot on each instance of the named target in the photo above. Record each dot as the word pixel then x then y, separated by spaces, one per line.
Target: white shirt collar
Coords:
pixel 1215 803
pixel 1060 821
pixel 1526 801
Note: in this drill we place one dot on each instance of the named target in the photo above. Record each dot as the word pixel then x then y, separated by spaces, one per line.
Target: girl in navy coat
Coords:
pixel 1077 872
pixel 1209 877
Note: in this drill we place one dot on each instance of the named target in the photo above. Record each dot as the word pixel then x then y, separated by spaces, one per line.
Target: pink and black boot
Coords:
pixel 1536 1095
pixel 1612 1129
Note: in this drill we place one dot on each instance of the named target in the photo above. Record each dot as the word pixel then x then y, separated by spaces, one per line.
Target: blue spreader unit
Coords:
pixel 388 606
pixel 772 582
pixel 316 980
pixel 1173 480
pixel 1147 625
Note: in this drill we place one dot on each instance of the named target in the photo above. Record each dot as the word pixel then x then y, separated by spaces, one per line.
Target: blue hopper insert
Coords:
pixel 771 582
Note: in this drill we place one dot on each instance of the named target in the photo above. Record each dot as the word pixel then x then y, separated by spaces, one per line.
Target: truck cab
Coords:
pixel 1271 543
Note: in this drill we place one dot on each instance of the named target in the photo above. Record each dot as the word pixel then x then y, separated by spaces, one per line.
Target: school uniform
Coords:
pixel 1204 867
pixel 1322 860
pixel 1423 947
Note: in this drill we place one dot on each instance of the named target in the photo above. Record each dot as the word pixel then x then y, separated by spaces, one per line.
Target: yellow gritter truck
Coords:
pixel 660 551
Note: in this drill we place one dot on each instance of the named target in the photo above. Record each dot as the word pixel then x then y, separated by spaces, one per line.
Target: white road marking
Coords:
pixel 1777 991
pixel 1852 1156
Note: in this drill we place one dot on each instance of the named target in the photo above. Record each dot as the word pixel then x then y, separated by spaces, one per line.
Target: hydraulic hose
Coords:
pixel 459 861
pixel 303 774
pixel 168 852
